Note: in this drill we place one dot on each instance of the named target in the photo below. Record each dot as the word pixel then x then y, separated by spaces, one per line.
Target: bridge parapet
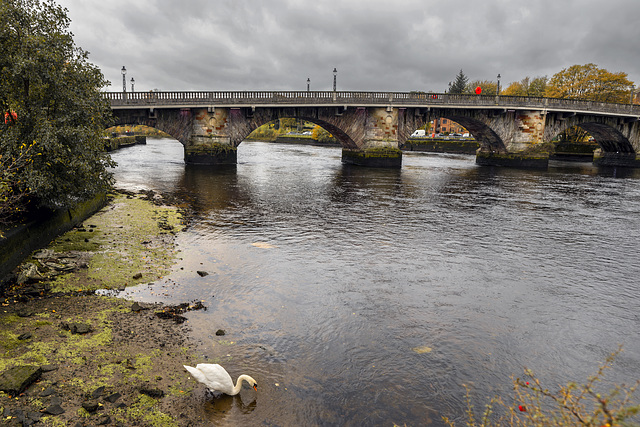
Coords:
pixel 354 98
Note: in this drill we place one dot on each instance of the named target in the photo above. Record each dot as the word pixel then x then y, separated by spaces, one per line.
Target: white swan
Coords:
pixel 216 378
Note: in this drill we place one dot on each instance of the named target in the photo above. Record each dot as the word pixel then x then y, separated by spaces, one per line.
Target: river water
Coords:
pixel 361 296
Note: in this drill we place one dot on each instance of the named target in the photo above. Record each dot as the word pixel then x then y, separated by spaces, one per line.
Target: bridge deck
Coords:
pixel 232 99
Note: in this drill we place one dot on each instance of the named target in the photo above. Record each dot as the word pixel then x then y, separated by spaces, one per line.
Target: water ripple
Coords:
pixel 327 278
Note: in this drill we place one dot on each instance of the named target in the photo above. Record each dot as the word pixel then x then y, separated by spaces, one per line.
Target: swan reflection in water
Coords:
pixel 223 406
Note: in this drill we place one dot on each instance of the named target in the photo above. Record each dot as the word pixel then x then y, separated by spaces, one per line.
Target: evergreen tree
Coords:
pixel 459 83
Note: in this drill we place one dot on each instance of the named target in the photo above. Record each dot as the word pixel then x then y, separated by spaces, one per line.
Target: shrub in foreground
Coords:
pixel 571 405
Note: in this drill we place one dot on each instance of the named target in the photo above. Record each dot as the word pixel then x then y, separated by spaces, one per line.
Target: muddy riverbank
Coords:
pixel 92 359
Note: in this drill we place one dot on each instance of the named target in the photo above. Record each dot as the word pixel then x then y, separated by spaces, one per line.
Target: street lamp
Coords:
pixel 498 87
pixel 132 83
pixel 124 79
pixel 449 87
pixel 308 83
pixel 335 73
pixel 633 88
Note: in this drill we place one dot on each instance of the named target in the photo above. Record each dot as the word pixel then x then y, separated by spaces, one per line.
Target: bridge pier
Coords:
pixel 377 144
pixel 513 160
pixel 382 157
pixel 605 158
pixel 211 155
pixel 210 141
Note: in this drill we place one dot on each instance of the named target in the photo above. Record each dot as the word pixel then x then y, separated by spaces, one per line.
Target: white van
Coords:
pixel 418 133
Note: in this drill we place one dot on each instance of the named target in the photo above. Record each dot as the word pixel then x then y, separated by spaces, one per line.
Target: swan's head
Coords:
pixel 249 380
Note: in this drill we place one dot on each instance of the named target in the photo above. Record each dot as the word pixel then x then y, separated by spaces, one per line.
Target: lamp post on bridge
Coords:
pixel 335 74
pixel 498 87
pixel 308 84
pixel 633 88
pixel 124 78
pixel 133 82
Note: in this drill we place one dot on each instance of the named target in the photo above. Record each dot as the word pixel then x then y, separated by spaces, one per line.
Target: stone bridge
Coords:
pixel 372 126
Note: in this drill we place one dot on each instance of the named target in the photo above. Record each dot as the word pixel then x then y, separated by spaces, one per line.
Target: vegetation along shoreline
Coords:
pixel 70 356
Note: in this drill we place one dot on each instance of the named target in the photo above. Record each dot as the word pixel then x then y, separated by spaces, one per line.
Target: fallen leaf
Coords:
pixel 423 349
pixel 263 245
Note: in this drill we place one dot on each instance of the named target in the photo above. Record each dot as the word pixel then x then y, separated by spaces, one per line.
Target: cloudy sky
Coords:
pixel 391 45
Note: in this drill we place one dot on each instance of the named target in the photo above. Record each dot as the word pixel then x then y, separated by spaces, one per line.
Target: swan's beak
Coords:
pixel 255 387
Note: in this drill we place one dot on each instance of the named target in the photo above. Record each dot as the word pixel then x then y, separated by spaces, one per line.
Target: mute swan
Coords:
pixel 216 378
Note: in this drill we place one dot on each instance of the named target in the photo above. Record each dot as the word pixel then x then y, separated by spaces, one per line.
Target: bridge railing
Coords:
pixel 416 99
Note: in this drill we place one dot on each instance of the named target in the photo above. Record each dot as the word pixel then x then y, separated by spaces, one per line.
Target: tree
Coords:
pixel 527 87
pixel 52 95
pixel 321 135
pixel 538 86
pixel 288 122
pixel 488 87
pixel 12 199
pixel 459 83
pixel 591 83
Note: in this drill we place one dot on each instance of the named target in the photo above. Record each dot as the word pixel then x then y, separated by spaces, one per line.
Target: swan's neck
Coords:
pixel 238 386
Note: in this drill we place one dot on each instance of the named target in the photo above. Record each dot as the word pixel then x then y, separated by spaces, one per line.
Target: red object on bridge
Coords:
pixel 478 90
pixel 10 117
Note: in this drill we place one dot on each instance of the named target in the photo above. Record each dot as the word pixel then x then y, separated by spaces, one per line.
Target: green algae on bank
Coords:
pixel 125 352
pixel 128 242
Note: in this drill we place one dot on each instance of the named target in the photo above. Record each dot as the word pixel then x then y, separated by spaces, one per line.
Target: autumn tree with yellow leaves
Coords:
pixel 590 83
pixel 527 87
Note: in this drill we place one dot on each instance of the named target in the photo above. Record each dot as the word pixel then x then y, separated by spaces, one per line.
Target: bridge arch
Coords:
pixel 480 130
pixel 252 123
pixel 178 124
pixel 345 140
pixel 611 134
pixel 610 140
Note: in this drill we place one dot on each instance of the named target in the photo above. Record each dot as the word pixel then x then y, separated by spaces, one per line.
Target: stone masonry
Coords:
pixel 211 134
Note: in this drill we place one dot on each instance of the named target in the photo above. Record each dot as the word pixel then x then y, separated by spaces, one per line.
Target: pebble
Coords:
pixel 53 410
pixel 152 392
pixel 90 405
pixel 113 397
pixel 47 392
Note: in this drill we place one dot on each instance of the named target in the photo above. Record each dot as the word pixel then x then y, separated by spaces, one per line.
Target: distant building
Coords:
pixel 443 125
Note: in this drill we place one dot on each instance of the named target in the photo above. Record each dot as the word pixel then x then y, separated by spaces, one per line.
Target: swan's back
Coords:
pixel 212 375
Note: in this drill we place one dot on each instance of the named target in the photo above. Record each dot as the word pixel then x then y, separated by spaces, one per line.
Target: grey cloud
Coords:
pixel 375 45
